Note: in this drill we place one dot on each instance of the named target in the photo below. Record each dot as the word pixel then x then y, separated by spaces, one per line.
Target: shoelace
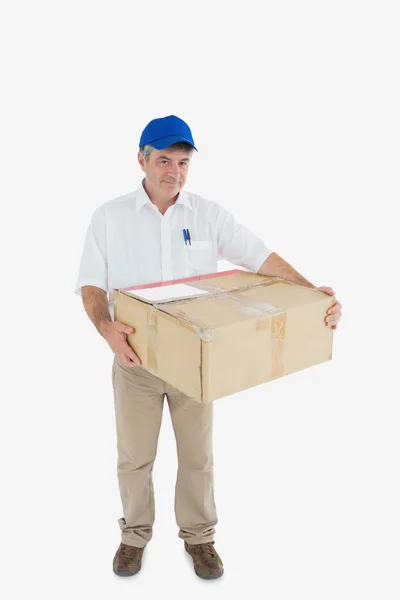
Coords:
pixel 129 551
pixel 208 551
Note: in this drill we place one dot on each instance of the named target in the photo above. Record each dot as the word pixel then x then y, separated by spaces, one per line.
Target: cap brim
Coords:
pixel 169 140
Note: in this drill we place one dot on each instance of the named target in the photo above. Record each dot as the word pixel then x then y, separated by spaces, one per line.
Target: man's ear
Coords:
pixel 141 160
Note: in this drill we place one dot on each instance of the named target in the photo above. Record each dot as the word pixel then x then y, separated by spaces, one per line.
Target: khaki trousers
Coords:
pixel 139 398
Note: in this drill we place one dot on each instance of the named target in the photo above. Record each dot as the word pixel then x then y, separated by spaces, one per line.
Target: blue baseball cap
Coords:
pixel 166 131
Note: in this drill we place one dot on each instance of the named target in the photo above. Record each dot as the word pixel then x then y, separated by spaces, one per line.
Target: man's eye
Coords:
pixel 164 162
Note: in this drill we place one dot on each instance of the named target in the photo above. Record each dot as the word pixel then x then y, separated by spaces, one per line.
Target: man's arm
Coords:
pixel 114 332
pixel 276 266
pixel 96 306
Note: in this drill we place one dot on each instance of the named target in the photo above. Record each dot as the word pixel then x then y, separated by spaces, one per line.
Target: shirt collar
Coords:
pixel 142 198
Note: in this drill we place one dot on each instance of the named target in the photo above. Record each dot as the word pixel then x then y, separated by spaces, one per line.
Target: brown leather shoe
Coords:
pixel 207 563
pixel 128 560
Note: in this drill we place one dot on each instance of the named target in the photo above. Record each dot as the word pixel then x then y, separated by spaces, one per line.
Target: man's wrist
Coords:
pixel 103 327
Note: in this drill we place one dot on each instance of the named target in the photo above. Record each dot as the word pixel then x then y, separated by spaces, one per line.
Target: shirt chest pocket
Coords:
pixel 199 258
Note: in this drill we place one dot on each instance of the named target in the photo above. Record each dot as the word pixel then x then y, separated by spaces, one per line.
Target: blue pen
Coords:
pixel 185 236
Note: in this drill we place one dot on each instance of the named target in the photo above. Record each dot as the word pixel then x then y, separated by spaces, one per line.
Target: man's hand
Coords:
pixel 334 312
pixel 115 332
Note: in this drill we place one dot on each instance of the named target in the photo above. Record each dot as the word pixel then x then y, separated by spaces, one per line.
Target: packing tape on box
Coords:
pixel 214 288
pixel 250 307
pixel 152 326
pixel 276 325
pixel 203 329
pixel 278 332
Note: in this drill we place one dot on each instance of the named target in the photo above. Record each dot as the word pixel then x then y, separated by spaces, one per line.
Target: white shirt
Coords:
pixel 129 242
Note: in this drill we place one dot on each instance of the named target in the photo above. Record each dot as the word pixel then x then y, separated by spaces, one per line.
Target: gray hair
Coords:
pixel 147 149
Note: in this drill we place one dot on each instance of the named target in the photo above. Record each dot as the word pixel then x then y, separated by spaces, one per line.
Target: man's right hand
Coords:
pixel 115 332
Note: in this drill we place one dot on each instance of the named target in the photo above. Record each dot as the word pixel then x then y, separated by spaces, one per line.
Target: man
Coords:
pixel 138 239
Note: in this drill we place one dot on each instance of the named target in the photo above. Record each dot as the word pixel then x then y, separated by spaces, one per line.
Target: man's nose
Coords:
pixel 175 171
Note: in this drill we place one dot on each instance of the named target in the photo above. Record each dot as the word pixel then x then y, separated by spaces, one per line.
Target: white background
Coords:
pixel 294 107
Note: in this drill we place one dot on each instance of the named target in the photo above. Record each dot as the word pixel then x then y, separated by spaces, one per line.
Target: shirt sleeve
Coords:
pixel 239 245
pixel 93 266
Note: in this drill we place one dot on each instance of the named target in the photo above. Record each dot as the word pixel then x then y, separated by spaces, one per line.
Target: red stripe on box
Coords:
pixel 175 281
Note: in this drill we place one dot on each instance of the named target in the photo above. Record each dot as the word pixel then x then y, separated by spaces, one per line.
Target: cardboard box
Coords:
pixel 236 330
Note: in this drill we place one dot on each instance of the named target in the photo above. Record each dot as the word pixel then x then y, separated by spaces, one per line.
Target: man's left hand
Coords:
pixel 334 312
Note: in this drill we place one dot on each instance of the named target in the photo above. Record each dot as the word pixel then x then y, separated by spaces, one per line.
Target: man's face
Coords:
pixel 166 171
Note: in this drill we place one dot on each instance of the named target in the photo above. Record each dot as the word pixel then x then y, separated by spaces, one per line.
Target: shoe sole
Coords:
pixel 214 576
pixel 125 573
